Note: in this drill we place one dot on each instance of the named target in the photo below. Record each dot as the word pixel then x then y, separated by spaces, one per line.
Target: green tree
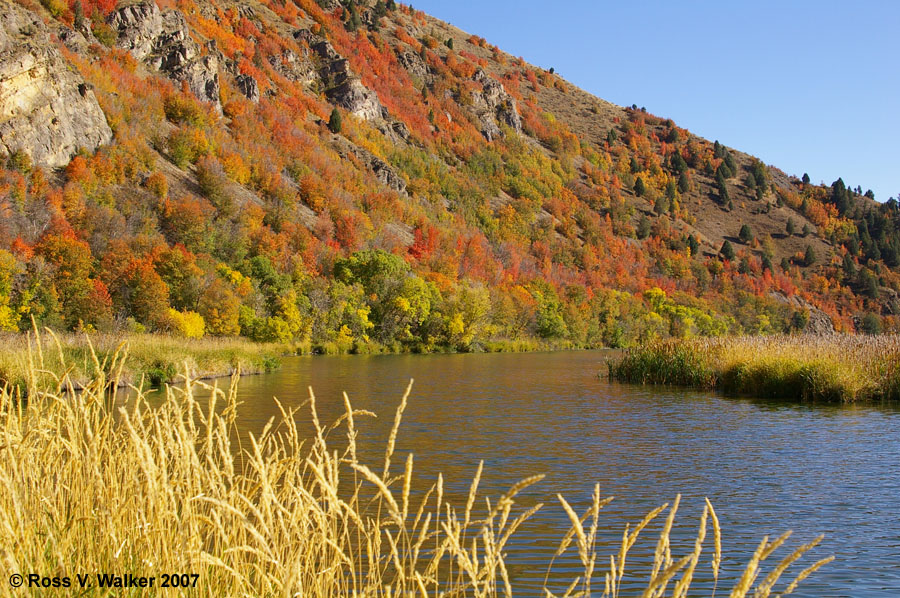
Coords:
pixel 870 324
pixel 805 179
pixel 661 206
pixel 809 256
pixel 335 122
pixel 791 228
pixel 643 228
pixel 78 12
pixel 639 187
pixel 746 234
pixel 683 183
pixel 727 251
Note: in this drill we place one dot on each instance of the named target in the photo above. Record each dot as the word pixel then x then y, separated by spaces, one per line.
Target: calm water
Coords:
pixel 767 467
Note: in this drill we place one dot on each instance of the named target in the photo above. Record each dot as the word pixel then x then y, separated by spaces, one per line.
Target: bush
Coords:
pixel 189 324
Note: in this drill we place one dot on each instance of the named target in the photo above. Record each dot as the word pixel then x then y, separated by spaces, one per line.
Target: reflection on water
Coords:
pixel 767 467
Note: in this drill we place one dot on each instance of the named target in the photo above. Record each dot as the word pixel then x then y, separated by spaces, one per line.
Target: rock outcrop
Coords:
pixel 46 108
pixel 342 86
pixel 494 107
pixel 163 41
pixel 381 169
pixel 247 85
pixel 294 68
pixel 414 65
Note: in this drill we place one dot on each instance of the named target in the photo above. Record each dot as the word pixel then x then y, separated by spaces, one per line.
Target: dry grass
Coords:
pixel 36 359
pixel 86 486
pixel 826 368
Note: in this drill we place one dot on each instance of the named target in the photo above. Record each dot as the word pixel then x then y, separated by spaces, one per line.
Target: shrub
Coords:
pixel 185 323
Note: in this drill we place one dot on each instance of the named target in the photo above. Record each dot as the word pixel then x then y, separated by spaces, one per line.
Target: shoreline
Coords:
pixel 56 362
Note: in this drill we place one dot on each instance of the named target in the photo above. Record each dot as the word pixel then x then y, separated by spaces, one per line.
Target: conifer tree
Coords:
pixel 335 122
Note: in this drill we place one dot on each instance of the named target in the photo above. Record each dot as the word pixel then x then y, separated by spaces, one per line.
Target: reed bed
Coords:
pixel 90 484
pixel 819 368
pixel 33 359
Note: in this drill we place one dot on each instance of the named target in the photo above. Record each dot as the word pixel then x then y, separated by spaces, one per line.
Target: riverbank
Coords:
pixel 158 358
pixel 42 359
pixel 835 368
pixel 168 488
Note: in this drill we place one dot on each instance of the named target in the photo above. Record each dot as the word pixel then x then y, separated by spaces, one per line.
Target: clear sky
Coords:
pixel 806 85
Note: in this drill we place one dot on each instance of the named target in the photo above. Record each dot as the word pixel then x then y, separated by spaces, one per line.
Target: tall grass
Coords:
pixel 90 485
pixel 824 368
pixel 36 359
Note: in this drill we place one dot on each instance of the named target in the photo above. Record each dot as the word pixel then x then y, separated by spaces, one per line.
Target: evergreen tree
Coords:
pixel 643 229
pixel 611 136
pixel 683 183
pixel 335 122
pixel 809 257
pixel 791 228
pixel 805 179
pixel 661 206
pixel 806 230
pixel 727 251
pixel 746 234
pixel 78 11
pixel 849 267
pixel 670 190
pixel 693 245
pixel 639 187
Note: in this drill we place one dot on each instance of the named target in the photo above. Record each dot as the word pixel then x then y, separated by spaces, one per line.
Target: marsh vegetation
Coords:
pixel 821 368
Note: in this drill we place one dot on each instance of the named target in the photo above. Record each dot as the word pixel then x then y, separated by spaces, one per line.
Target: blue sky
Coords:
pixel 807 86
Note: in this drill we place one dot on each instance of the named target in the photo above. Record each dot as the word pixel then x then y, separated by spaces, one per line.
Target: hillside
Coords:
pixel 362 176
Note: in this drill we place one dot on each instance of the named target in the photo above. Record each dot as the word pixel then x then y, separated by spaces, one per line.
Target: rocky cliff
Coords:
pixel 46 109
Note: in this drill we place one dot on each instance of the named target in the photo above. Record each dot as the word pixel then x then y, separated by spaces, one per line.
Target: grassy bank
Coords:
pixel 147 490
pixel 39 359
pixel 819 368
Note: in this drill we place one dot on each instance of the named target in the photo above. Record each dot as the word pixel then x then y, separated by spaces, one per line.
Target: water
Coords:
pixel 767 467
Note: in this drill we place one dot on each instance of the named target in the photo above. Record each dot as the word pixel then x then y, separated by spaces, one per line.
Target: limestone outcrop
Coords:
pixel 494 107
pixel 162 40
pixel 46 108
pixel 342 86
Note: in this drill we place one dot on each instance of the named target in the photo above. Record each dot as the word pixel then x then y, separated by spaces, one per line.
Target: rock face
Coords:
pixel 248 86
pixel 342 86
pixel 381 169
pixel 414 65
pixel 162 40
pixel 46 109
pixel 294 68
pixel 494 106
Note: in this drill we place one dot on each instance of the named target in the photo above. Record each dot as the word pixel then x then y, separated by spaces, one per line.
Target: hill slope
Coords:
pixel 362 175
